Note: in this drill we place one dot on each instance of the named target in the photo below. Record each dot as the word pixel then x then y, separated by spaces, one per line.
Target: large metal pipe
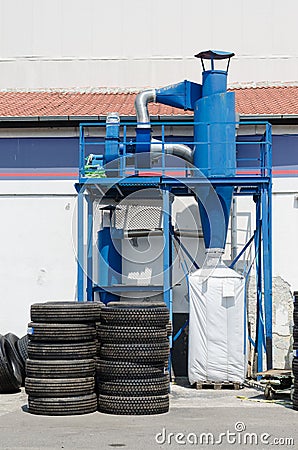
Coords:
pixel 141 107
pixel 180 150
pixel 143 119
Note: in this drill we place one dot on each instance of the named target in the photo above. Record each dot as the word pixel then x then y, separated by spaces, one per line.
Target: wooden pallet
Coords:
pixel 217 386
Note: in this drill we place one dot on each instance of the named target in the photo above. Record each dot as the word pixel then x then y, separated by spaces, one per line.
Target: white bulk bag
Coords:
pixel 217 326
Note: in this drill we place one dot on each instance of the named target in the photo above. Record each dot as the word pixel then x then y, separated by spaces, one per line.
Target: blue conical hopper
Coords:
pixel 215 150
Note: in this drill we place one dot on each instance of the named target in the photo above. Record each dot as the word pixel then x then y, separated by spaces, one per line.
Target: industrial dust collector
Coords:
pixel 217 326
pixel 217 323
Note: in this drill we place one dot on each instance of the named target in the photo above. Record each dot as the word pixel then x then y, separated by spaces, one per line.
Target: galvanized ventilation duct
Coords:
pixel 143 119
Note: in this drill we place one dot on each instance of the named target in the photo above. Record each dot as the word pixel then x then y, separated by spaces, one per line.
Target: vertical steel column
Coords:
pixel 80 273
pixel 90 296
pixel 267 274
pixel 167 276
pixel 267 248
pixel 82 153
pixel 259 318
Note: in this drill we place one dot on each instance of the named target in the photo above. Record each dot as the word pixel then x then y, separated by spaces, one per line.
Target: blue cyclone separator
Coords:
pixel 110 264
pixel 215 141
pixel 215 154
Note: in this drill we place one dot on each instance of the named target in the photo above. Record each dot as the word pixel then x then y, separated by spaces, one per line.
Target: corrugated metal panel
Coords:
pixel 120 43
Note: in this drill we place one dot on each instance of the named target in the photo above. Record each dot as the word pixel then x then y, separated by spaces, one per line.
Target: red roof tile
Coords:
pixel 276 100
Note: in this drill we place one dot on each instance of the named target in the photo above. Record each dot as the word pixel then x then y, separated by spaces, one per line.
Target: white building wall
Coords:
pixel 135 44
pixel 37 242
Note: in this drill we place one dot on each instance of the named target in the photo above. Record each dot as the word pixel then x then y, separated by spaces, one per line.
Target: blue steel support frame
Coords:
pixel 259 185
pixel 259 345
pixel 167 256
pixel 80 237
pixel 267 243
pixel 267 273
pixel 90 295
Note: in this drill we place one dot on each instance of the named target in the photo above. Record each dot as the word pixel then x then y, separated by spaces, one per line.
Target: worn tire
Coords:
pixel 133 405
pixel 60 368
pixel 10 372
pixel 114 370
pixel 52 350
pixel 156 317
pixel 114 334
pixel 295 365
pixel 149 353
pixel 66 312
pixel 135 388
pixel 85 404
pixel 61 332
pixel 22 347
pixel 12 340
pixel 59 387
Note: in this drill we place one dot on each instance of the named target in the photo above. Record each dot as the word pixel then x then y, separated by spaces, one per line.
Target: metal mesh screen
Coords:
pixel 138 217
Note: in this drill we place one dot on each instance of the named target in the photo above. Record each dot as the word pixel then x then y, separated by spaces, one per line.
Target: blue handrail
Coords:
pixel 258 164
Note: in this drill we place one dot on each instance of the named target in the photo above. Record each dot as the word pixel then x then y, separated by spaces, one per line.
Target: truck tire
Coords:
pixel 10 373
pixel 60 368
pixel 12 340
pixel 133 405
pixel 141 353
pixel 114 370
pixel 118 334
pixel 59 387
pixel 66 312
pixel 22 347
pixel 84 404
pixel 156 317
pixel 52 350
pixel 61 332
pixel 135 388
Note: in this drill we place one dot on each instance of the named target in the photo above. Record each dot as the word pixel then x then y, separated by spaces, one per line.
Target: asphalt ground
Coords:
pixel 232 422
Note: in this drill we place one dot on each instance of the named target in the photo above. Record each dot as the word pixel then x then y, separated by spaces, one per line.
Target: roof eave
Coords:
pixel 132 118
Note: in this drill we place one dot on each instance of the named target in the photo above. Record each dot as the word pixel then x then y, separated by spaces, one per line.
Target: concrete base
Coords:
pixel 191 412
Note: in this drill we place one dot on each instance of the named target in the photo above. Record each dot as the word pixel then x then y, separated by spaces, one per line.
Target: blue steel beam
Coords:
pixel 267 279
pixel 191 182
pixel 260 343
pixel 167 281
pixel 267 252
pixel 90 296
pixel 232 265
pixel 80 238
pixel 185 251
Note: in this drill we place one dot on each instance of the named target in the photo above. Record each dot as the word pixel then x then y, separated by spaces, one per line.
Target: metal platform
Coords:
pixel 253 179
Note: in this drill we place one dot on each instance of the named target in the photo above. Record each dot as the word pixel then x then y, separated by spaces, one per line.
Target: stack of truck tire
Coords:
pixel 131 369
pixel 60 369
pixel 13 354
pixel 295 347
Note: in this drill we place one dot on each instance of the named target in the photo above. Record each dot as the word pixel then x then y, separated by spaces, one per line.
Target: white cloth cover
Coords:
pixel 217 335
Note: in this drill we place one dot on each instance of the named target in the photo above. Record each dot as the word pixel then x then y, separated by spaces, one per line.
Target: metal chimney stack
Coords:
pixel 215 148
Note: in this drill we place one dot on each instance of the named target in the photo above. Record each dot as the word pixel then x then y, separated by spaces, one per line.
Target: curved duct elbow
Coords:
pixel 141 107
pixel 180 150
